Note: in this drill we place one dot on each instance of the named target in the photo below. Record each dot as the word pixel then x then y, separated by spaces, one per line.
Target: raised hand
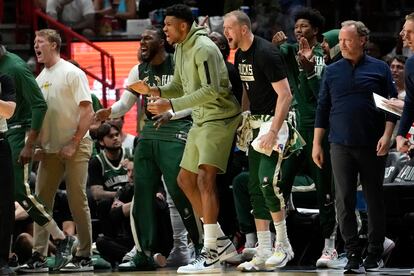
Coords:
pixel 158 105
pixel 306 57
pixel 140 87
pixel 102 114
pixel 279 38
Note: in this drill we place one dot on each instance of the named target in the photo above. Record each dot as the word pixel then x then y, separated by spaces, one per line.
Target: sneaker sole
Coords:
pixel 254 269
pixel 204 271
pixel 82 269
pixel 360 270
pixel 322 263
pixel 40 270
pixel 280 265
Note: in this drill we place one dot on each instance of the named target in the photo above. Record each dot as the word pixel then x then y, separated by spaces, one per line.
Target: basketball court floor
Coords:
pixel 231 271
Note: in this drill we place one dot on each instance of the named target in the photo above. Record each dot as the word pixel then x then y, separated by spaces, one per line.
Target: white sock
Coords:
pixel 281 232
pixel 330 243
pixel 251 240
pixel 54 230
pixel 265 244
pixel 210 236
pixel 220 232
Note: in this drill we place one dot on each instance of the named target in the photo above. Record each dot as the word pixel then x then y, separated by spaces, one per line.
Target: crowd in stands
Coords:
pixel 228 155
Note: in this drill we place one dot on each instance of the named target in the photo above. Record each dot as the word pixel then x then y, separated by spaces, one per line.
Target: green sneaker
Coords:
pixel 63 252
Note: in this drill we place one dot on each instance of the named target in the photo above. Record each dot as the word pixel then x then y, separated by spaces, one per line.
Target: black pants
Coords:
pixel 6 199
pixel 347 164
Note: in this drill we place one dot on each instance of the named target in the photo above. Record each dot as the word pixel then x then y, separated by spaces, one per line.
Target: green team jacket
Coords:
pixel 30 105
pixel 201 73
pixel 305 88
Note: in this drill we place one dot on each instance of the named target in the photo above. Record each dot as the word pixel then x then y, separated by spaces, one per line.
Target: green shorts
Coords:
pixel 210 144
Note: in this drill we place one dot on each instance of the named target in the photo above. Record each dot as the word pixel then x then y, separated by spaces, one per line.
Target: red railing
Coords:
pixel 107 61
pixel 1 11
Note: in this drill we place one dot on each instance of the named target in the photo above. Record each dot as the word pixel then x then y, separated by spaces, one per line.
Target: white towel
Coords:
pixel 282 138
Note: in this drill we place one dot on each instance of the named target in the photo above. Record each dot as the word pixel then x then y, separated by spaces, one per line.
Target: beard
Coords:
pixel 113 149
pixel 150 55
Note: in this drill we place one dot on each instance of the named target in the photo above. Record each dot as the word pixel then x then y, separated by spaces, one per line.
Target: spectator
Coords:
pixel 359 137
pixel 65 146
pixel 128 140
pixel 120 10
pixel 113 248
pixel 78 15
pixel 107 175
pixel 330 46
pixel 7 107
pixel 397 66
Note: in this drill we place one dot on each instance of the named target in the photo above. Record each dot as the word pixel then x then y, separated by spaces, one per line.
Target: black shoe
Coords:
pixel 63 252
pixel 36 264
pixel 14 262
pixel 354 264
pixel 6 270
pixel 373 263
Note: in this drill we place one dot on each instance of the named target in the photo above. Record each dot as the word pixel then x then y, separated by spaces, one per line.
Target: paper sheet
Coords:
pixel 381 103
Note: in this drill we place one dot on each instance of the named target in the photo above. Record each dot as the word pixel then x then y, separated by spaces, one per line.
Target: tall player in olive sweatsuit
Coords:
pixel 25 124
pixel 200 72
pixel 305 64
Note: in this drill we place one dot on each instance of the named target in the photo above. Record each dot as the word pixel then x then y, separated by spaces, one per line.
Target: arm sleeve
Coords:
pixel 207 63
pixel 181 114
pixel 124 104
pixel 7 91
pixel 25 82
pixel 324 105
pixel 96 104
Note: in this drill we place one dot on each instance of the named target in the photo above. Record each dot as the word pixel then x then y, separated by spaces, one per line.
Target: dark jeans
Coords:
pixel 6 199
pixel 347 164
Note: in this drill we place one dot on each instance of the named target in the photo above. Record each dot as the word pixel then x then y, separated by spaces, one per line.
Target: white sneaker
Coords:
pixel 248 253
pixel 258 263
pixel 328 254
pixel 282 254
pixel 128 256
pixel 226 249
pixel 388 246
pixel 78 264
pixel 207 262
pixel 338 263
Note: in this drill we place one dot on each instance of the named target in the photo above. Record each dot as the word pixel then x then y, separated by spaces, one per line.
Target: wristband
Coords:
pixel 172 113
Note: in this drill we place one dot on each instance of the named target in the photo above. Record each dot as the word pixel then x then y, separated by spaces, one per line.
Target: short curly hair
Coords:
pixel 314 17
pixel 180 11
